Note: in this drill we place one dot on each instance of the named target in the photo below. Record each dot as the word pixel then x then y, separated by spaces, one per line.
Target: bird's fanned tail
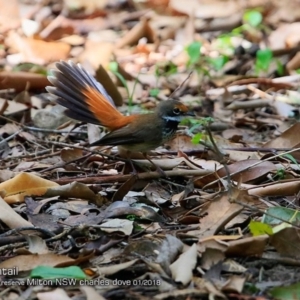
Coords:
pixel 85 99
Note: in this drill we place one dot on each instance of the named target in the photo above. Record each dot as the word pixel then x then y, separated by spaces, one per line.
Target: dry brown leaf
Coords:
pixel 249 174
pixel 168 250
pixel 183 143
pixel 91 55
pixel 12 108
pixel 288 139
pixel 3 103
pixel 10 217
pixel 249 246
pixel 88 6
pixel 206 9
pixel 9 15
pixel 284 37
pixel 74 190
pixel 277 189
pixel 36 245
pixel 142 29
pixel 234 284
pixel 110 270
pixel 218 212
pixel 73 40
pixel 211 257
pixel 38 51
pixel 166 27
pixel 94 133
pixel 70 154
pixel 103 77
pixel 116 225
pixel 287 242
pixel 182 268
pixel 29 262
pixel 25 184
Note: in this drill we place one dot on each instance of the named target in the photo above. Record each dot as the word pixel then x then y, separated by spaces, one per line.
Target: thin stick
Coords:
pixel 181 84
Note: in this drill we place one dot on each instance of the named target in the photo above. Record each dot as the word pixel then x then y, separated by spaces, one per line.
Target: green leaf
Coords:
pixel 263 60
pixel 132 217
pixel 283 213
pixel 280 68
pixel 165 69
pixel 46 272
pixel 258 228
pixel 218 62
pixel 113 66
pixel 291 158
pixel 286 292
pixel 193 51
pixel 253 18
pixel 197 138
pixel 224 41
pixel 154 92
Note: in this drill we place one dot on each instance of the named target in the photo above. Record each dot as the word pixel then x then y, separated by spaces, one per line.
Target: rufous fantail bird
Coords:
pixel 87 100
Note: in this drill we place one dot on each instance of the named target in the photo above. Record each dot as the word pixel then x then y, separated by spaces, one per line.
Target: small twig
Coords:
pixel 220 157
pixel 63 164
pixel 256 209
pixel 181 84
pixel 20 229
pixel 59 236
pixel 257 149
pixel 36 129
pixel 10 137
pixel 13 246
pixel 253 165
pixel 123 178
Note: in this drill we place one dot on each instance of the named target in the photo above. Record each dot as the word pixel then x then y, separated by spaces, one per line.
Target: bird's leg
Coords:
pixel 134 171
pixel 158 168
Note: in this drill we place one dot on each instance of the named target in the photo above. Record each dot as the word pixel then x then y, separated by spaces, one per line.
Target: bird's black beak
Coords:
pixel 190 113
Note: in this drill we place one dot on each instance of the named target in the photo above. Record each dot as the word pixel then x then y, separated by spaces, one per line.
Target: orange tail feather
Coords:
pixel 107 115
pixel 85 99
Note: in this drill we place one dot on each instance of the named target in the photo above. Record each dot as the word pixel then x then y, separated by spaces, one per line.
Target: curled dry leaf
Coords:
pixel 36 245
pixel 70 154
pixel 165 163
pixel 281 188
pixel 115 225
pixel 168 251
pixel 10 217
pixel 142 29
pixel 25 184
pixel 75 190
pixel 110 270
pixel 182 268
pixel 103 77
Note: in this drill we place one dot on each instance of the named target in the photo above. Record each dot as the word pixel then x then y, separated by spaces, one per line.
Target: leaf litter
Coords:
pixel 224 223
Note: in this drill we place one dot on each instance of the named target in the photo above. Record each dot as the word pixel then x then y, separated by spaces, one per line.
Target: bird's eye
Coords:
pixel 176 111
